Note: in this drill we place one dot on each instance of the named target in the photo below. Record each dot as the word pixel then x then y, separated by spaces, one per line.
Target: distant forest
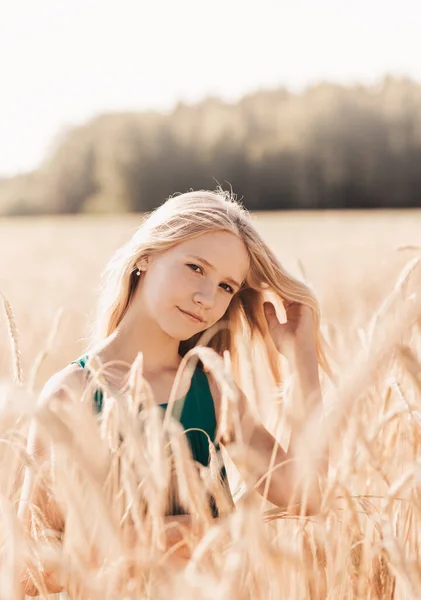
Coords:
pixel 329 147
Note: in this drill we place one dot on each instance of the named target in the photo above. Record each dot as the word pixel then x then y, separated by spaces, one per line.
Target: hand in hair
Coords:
pixel 296 333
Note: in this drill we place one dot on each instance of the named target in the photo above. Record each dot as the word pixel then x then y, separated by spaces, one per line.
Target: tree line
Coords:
pixel 331 146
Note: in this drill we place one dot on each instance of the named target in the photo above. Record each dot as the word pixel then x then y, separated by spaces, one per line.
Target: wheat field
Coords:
pixel 364 267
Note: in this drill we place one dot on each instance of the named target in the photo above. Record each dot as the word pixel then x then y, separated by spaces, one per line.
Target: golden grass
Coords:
pixel 366 541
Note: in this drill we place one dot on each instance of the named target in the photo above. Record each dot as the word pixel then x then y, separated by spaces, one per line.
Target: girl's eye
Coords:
pixel 229 290
pixel 195 268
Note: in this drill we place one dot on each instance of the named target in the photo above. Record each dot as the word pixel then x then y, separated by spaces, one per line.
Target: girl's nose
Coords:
pixel 205 296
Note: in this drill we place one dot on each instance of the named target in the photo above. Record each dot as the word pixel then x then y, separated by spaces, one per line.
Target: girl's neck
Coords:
pixel 137 333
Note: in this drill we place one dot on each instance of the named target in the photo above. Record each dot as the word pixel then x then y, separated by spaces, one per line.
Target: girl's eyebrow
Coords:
pixel 208 264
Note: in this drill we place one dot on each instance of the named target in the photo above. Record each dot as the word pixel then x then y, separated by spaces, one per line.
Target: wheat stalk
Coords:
pixel 14 341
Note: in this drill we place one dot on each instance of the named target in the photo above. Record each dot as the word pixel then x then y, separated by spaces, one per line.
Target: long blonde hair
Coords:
pixel 184 217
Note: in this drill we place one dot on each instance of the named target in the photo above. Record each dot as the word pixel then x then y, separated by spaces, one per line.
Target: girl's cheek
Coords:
pixel 222 309
pixel 175 277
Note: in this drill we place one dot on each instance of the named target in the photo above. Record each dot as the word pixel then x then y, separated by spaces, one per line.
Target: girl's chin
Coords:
pixel 181 328
pixel 181 334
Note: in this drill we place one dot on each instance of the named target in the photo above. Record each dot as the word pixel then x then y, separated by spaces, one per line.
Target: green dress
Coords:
pixel 198 412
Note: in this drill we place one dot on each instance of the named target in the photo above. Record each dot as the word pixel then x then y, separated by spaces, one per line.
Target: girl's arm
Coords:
pixel 33 493
pixel 295 340
pixel 285 485
pixel 176 528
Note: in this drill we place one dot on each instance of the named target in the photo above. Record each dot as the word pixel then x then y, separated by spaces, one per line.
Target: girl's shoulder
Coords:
pixel 70 381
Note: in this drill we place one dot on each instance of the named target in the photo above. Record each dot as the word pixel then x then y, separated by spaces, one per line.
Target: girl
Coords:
pixel 195 262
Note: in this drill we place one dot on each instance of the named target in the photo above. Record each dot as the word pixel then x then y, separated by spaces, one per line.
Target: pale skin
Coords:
pixel 199 276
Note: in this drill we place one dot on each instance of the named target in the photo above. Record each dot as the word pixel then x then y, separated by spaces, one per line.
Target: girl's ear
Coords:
pixel 142 265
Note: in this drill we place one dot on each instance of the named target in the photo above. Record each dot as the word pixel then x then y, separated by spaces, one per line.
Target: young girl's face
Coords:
pixel 197 278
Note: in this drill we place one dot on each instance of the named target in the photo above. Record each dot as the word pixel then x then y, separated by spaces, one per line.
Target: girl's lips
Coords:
pixel 190 316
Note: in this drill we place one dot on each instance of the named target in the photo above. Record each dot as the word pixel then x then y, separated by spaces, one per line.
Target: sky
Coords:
pixel 64 62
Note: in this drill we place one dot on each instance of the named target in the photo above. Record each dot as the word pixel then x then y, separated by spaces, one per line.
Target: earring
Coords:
pixel 142 266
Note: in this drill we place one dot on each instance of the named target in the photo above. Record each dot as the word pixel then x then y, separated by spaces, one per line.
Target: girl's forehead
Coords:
pixel 221 248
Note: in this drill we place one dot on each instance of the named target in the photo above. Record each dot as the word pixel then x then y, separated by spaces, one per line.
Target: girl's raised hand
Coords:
pixel 298 330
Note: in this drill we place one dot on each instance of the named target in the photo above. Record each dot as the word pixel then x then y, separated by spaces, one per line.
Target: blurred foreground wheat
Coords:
pixel 112 478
